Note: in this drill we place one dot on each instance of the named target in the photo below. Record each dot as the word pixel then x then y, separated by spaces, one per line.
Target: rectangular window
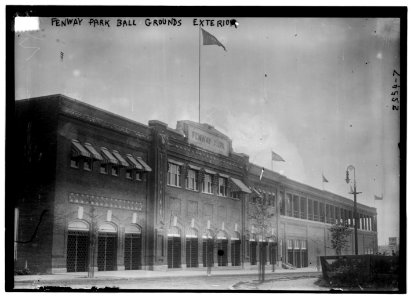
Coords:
pixel 129 174
pixel 303 208
pixel 222 186
pixel 74 163
pixel 289 207
pixel 337 215
pixel 327 213
pixel 303 244
pixel 173 175
pixel 87 165
pixel 289 244
pixel 296 204
pixel 322 212
pixel 138 176
pixel 296 244
pixel 332 214
pixel 104 168
pixel 191 181
pixel 310 209
pixel 208 184
pixel 316 211
pixel 282 204
pixel 114 170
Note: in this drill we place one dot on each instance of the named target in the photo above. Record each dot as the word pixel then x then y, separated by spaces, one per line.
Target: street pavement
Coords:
pixel 185 279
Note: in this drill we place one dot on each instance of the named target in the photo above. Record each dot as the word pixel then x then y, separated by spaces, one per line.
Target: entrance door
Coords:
pixel 208 252
pixel 106 255
pixel 77 251
pixel 222 252
pixel 192 252
pixel 174 252
pixel 132 251
pixel 235 252
pixel 253 252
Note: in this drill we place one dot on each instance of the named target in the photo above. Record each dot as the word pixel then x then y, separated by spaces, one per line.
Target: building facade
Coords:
pixel 101 192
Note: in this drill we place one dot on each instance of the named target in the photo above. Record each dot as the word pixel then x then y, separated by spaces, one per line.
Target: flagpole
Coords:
pixel 199 71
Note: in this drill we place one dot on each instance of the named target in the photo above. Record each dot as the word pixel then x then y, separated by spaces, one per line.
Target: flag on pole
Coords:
pixel 209 39
pixel 262 172
pixel 351 190
pixel 378 197
pixel 324 179
pixel 276 157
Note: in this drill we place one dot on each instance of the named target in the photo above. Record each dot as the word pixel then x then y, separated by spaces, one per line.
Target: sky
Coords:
pixel 315 91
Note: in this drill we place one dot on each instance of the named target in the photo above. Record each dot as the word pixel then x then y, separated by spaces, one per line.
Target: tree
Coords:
pixel 260 213
pixel 339 235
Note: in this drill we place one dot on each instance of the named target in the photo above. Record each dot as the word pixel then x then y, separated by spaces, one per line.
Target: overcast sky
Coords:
pixel 315 91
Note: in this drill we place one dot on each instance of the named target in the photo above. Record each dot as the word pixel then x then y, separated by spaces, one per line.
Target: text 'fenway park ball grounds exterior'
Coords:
pixel 97 189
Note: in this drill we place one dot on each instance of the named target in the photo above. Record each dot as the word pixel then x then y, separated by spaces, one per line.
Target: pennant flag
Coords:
pixel 351 190
pixel 377 197
pixel 209 39
pixel 276 157
pixel 324 179
pixel 261 175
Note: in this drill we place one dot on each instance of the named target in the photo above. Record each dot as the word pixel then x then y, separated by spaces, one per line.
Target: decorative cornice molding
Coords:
pixel 101 201
pixel 93 120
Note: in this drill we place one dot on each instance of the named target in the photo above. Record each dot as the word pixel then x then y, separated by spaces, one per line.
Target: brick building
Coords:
pixel 101 190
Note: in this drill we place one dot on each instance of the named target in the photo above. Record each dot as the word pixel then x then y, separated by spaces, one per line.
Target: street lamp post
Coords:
pixel 347 179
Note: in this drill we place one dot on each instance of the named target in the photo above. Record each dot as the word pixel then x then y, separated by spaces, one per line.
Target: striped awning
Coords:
pixel 108 157
pixel 121 159
pixel 241 186
pixel 78 150
pixel 95 155
pixel 134 163
pixel 143 163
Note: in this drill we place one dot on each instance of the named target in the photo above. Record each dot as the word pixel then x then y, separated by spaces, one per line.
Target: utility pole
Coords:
pixel 354 192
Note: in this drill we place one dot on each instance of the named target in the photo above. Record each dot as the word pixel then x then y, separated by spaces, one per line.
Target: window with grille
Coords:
pixel 191 182
pixel 77 251
pixel 192 252
pixel 310 210
pixel 173 174
pixel 208 252
pixel 174 252
pixel 132 251
pixel 107 251
pixel 316 211
pixel 208 184
pixel 235 252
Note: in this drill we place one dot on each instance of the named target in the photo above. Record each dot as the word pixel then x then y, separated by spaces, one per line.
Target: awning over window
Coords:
pixel 134 163
pixel 95 155
pixel 108 157
pixel 241 186
pixel 120 159
pixel 223 175
pixel 78 150
pixel 143 163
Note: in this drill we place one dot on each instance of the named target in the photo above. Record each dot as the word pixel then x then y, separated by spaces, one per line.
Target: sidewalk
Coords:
pixel 125 275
